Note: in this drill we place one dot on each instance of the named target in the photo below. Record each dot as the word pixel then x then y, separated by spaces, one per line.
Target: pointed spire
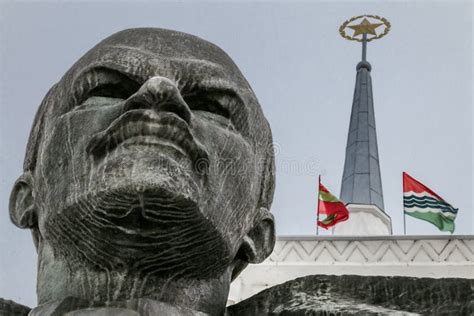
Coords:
pixel 361 181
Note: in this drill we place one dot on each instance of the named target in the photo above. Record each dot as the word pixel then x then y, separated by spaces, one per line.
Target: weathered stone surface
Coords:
pixel 148 174
pixel 104 311
pixel 361 295
pixel 72 306
pixel 10 308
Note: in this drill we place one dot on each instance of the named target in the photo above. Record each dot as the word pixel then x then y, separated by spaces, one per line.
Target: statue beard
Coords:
pixel 147 222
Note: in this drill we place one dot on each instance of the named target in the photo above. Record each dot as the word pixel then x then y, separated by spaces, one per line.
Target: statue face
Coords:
pixel 152 155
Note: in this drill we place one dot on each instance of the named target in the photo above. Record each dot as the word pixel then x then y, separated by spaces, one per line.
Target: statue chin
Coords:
pixel 147 219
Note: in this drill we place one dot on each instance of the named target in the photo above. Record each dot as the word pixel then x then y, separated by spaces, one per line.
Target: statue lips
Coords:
pixel 148 127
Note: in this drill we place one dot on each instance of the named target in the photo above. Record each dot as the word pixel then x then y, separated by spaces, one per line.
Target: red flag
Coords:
pixel 330 206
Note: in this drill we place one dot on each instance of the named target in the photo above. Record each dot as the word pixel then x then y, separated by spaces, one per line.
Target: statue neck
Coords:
pixel 59 279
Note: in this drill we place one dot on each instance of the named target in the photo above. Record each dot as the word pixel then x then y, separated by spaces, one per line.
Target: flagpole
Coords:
pixel 317 217
pixel 404 223
pixel 364 47
pixel 404 215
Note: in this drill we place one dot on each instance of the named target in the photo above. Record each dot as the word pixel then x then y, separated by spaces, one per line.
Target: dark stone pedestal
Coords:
pixel 361 295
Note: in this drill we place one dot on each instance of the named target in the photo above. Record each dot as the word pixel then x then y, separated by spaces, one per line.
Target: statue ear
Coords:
pixel 259 242
pixel 22 204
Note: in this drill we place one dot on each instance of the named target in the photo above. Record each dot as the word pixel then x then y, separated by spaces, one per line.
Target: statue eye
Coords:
pixel 103 86
pixel 114 90
pixel 207 104
pixel 104 95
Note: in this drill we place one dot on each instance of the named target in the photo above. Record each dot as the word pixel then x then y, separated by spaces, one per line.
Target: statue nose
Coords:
pixel 160 94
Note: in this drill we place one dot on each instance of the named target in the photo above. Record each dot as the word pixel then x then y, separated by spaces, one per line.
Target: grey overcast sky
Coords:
pixel 303 73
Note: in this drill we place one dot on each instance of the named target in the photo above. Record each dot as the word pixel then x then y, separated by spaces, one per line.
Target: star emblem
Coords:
pixel 365 27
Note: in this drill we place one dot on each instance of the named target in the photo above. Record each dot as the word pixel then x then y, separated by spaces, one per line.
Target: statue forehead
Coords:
pixel 168 43
pixel 159 49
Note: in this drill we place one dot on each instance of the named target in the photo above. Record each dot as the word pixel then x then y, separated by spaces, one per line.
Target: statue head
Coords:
pixel 151 157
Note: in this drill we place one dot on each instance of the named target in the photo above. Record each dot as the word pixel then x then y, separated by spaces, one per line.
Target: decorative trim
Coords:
pixel 381 250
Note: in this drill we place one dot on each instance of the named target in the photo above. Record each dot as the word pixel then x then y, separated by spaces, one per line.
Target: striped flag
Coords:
pixel 330 206
pixel 421 202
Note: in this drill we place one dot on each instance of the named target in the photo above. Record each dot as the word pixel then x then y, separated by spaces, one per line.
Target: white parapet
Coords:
pixel 413 256
pixel 364 220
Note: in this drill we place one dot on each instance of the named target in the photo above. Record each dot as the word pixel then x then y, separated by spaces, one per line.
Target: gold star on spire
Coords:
pixel 365 27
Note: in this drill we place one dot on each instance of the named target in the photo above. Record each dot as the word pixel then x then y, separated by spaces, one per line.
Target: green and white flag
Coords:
pixel 421 202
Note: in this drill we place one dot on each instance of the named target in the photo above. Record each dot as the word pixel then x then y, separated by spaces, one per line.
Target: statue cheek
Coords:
pixel 55 156
pixel 65 163
pixel 233 179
